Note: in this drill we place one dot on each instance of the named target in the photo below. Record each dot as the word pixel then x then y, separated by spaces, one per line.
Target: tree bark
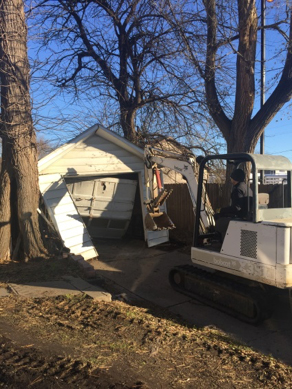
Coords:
pixel 19 140
pixel 128 124
pixel 5 208
pixel 215 108
pixel 245 67
pixel 234 130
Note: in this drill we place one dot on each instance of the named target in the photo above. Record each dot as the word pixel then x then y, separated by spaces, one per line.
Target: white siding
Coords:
pixel 95 156
pixel 65 217
pixel 157 237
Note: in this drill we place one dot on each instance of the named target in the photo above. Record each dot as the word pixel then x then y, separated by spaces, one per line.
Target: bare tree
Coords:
pixel 118 49
pixel 19 189
pixel 44 147
pixel 222 47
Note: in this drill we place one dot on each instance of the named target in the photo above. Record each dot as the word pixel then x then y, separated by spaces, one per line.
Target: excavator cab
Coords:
pixel 258 205
pixel 215 235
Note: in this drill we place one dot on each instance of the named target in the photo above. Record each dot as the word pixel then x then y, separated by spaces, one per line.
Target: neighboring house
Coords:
pixel 169 144
pixel 275 177
pixel 89 186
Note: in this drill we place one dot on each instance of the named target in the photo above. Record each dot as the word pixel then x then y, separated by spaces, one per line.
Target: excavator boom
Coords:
pixel 157 195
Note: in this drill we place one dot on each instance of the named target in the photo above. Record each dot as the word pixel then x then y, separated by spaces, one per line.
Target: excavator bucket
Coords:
pixel 155 221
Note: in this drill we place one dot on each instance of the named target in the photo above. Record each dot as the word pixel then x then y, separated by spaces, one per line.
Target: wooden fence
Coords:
pixel 180 207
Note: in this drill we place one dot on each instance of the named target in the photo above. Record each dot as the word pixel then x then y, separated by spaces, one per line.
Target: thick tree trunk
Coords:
pixel 5 211
pixel 237 130
pixel 128 124
pixel 19 140
pixel 245 69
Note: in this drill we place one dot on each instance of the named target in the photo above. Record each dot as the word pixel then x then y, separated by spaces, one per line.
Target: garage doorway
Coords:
pixel 110 206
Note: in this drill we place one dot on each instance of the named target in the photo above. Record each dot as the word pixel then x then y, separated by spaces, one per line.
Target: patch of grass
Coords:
pixel 132 315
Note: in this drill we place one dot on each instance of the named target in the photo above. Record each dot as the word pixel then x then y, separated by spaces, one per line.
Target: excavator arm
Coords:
pixel 185 165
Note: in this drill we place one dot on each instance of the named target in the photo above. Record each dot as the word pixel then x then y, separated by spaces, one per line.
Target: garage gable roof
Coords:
pixel 96 129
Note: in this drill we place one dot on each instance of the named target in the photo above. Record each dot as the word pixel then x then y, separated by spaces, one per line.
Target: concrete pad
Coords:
pixel 99 295
pixel 117 249
pixel 94 291
pixel 44 289
pixel 145 277
pixel 78 283
pixel 70 286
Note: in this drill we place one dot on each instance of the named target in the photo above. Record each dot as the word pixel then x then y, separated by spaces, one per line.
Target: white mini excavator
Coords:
pixel 237 270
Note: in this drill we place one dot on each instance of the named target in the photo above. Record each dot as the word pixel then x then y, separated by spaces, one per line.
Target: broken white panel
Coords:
pixel 65 216
pixel 153 238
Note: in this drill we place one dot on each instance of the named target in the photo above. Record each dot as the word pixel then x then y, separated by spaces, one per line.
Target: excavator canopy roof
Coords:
pixel 261 162
pixel 271 162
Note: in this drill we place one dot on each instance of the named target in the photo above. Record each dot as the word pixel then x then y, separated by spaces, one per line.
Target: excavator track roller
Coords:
pixel 249 304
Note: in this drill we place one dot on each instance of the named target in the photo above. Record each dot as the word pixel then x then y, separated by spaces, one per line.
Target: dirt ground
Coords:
pixel 75 342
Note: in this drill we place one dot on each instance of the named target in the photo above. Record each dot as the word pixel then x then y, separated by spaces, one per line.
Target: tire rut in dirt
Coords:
pixel 27 367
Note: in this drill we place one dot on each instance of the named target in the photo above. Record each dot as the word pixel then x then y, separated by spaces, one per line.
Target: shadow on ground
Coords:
pixel 140 275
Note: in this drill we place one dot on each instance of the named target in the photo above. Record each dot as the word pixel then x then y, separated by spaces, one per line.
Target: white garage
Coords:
pixel 89 187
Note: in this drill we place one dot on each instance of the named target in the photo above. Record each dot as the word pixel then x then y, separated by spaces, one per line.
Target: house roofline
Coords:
pixel 97 129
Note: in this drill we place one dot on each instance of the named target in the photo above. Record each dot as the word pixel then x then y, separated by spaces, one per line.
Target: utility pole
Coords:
pixel 263 71
pixel 263 66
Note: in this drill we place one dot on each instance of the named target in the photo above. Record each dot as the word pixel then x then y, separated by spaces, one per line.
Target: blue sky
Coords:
pixel 278 134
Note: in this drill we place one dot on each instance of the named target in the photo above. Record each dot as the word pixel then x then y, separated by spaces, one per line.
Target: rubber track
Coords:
pixel 249 304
